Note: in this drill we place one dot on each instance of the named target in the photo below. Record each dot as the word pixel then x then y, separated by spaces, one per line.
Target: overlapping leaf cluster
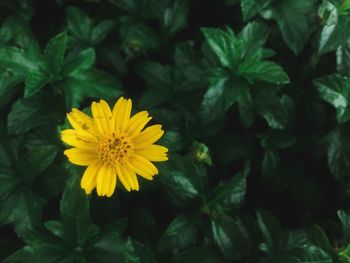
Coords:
pixel 254 96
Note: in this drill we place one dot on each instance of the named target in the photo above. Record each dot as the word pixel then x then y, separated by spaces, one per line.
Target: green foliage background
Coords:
pixel 254 96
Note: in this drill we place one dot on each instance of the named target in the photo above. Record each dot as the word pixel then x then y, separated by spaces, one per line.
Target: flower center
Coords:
pixel 114 149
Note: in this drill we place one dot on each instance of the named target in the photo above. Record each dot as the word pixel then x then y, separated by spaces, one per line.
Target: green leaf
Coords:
pixel 22 208
pixel 229 195
pixel 55 227
pixel 277 141
pixel 334 33
pixel 251 7
pixel 183 180
pixel 318 238
pixel 135 252
pixel 264 71
pixel 274 237
pixel 144 227
pixel 181 232
pixel 219 97
pixel 275 110
pixel 156 75
pixel 82 61
pixel 36 161
pixel 310 254
pixel 175 17
pixel 335 90
pixel 205 254
pixel 50 253
pixel 54 53
pixel 8 85
pixel 30 113
pixel 229 147
pixel 137 38
pixel 228 48
pixel 15 30
pixel 34 82
pixel 232 237
pixel 16 59
pixel 110 244
pixel 101 30
pixel 293 18
pixel 343 59
pixel 270 164
pixel 90 84
pixel 145 9
pixel 344 217
pixel 75 213
pixel 254 36
pixel 78 23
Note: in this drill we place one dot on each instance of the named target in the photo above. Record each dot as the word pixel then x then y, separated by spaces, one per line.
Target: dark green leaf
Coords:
pixel 343 59
pixel 22 208
pixel 204 254
pixel 54 53
pixel 270 164
pixel 135 252
pixel 229 195
pixel 75 213
pixel 175 17
pixel 8 85
pixel 271 230
pixel 101 30
pixel 272 108
pixel 90 84
pixel 318 238
pixel 300 255
pixel 30 113
pixel 277 141
pixel 181 232
pixel 79 24
pixel 334 33
pixel 183 180
pixel 228 48
pixel 232 237
pixel 334 89
pixel 344 217
pixel 264 71
pixel 83 61
pixel 251 7
pixel 36 161
pixel 339 151
pixel 293 18
pixel 218 99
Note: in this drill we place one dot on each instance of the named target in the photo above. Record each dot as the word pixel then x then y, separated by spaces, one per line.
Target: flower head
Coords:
pixel 114 146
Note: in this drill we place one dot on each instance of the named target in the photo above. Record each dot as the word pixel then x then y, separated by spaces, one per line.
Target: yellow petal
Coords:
pixel 148 136
pixel 76 139
pixel 80 157
pixel 82 123
pixel 142 173
pixel 88 182
pixel 130 176
pixel 85 121
pixel 142 167
pixel 106 180
pixel 122 178
pixel 121 114
pixel 102 116
pixel 146 164
pixel 154 153
pixel 137 123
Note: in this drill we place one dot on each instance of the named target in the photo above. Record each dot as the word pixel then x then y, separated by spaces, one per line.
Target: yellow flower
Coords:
pixel 113 145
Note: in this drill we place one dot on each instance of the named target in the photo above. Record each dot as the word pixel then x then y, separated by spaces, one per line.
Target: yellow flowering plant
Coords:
pixel 114 146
